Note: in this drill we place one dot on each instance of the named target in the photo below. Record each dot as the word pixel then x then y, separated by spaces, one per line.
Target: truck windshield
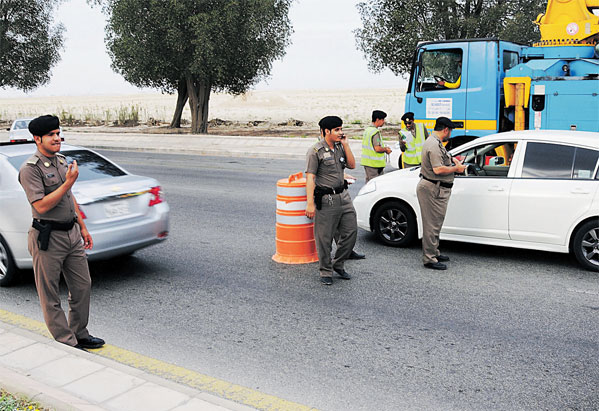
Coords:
pixel 440 70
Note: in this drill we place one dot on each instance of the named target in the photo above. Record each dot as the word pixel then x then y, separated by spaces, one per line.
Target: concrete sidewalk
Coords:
pixel 68 379
pixel 201 144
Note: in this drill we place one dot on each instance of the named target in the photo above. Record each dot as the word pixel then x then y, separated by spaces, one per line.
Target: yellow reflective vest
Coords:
pixel 413 153
pixel 369 157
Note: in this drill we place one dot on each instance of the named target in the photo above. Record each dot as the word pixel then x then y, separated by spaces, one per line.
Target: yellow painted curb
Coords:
pixel 221 388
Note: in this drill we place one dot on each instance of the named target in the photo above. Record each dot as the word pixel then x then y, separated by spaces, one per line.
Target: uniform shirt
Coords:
pixel 326 164
pixel 435 155
pixel 40 176
pixel 377 139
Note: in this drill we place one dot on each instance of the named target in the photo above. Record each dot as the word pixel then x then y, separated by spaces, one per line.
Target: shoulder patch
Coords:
pixel 33 160
pixel 60 155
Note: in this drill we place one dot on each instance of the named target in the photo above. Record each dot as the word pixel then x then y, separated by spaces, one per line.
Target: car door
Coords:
pixel 478 206
pixel 556 186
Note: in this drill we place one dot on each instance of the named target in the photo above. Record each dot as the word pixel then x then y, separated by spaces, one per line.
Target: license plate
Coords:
pixel 116 209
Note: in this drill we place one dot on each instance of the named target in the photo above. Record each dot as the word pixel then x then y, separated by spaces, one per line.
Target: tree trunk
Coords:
pixel 181 100
pixel 199 96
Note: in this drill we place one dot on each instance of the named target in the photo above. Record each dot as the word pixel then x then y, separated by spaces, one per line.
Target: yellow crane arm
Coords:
pixel 569 22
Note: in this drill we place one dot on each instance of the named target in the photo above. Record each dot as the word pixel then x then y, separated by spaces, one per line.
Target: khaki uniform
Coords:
pixel 337 212
pixel 432 197
pixel 40 176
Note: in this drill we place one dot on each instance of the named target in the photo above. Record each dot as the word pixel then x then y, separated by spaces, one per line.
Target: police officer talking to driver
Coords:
pixel 328 200
pixel 434 189
pixel 58 236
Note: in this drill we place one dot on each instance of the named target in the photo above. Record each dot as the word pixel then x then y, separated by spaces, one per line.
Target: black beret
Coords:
pixel 408 115
pixel 330 122
pixel 42 125
pixel 445 122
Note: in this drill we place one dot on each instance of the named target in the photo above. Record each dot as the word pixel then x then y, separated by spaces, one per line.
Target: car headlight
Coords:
pixel 368 188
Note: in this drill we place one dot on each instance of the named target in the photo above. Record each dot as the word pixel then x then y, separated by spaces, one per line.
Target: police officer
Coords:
pixel 58 237
pixel 411 140
pixel 373 152
pixel 328 200
pixel 434 189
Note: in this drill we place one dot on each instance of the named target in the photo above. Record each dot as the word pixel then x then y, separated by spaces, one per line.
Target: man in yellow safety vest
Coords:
pixel 373 151
pixel 411 139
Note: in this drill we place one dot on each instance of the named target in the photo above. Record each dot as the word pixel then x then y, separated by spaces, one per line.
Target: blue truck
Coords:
pixel 490 85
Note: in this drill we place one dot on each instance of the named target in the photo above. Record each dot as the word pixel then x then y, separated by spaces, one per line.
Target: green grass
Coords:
pixel 9 402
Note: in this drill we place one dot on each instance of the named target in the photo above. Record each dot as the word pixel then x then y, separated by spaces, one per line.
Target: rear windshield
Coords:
pixel 91 166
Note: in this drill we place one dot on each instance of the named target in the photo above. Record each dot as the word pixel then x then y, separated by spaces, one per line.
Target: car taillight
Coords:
pixel 156 193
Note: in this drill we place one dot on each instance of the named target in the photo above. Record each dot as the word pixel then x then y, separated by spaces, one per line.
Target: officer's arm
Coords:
pixel 310 186
pixel 88 243
pixel 444 170
pixel 380 148
pixel 49 201
pixel 349 156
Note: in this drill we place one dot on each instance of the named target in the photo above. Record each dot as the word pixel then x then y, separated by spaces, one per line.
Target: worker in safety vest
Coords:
pixel 373 151
pixel 411 139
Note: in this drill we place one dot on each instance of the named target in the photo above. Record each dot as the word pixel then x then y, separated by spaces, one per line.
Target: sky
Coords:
pixel 322 55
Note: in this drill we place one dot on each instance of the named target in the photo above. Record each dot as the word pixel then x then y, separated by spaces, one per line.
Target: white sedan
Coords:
pixel 525 189
pixel 19 130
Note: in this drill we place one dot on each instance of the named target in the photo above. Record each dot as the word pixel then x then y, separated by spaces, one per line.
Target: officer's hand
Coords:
pixel 388 150
pixel 72 173
pixel 310 210
pixel 402 144
pixel 88 243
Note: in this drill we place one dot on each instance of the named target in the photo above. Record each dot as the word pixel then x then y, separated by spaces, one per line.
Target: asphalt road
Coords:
pixel 501 329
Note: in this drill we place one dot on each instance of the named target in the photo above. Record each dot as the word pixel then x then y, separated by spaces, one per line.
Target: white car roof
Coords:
pixel 11 150
pixel 582 138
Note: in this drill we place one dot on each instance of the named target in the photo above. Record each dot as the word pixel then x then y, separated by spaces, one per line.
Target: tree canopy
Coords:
pixel 393 28
pixel 29 44
pixel 195 47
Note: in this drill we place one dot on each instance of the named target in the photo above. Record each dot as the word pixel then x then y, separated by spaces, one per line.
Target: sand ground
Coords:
pixel 281 113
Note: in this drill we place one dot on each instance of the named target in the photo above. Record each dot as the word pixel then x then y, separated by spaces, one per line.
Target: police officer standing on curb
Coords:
pixel 328 200
pixel 58 237
pixel 411 140
pixel 373 152
pixel 434 189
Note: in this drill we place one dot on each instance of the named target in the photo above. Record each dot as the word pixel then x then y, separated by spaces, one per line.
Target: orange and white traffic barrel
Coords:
pixel 295 231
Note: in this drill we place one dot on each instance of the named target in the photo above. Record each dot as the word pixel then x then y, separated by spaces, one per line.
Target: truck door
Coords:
pixel 439 84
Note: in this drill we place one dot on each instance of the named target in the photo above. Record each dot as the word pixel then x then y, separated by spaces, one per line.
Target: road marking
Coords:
pixel 221 388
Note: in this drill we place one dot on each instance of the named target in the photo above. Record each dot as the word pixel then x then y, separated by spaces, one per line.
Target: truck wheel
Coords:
pixel 8 269
pixel 586 245
pixel 394 224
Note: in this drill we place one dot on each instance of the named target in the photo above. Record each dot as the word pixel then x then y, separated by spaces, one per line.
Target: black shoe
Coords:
pixel 91 342
pixel 344 275
pixel 79 347
pixel 442 258
pixel 356 256
pixel 436 266
pixel 326 280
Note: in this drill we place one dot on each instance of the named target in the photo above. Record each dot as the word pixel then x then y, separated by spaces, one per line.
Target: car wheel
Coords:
pixel 394 224
pixel 586 245
pixel 8 269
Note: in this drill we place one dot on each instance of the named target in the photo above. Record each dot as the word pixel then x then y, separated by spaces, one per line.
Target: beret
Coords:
pixel 445 122
pixel 330 122
pixel 42 125
pixel 408 115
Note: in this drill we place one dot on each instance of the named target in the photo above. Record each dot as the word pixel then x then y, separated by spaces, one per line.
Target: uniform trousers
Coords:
pixel 372 172
pixel 338 214
pixel 65 254
pixel 433 201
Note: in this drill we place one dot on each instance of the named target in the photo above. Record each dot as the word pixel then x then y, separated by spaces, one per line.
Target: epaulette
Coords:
pixel 33 160
pixel 60 155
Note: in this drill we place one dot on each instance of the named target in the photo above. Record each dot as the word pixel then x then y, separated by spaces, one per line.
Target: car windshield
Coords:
pixel 91 166
pixel 21 124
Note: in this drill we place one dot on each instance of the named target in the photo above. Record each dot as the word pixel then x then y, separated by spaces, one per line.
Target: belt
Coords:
pixel 334 190
pixel 55 225
pixel 441 183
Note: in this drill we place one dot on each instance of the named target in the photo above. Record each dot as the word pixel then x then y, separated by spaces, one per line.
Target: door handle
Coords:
pixel 496 188
pixel 579 190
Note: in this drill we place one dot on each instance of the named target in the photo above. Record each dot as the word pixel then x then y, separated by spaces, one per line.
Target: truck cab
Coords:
pixel 462 80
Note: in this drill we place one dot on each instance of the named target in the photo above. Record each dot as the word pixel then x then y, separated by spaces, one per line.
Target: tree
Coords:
pixel 393 28
pixel 195 47
pixel 29 44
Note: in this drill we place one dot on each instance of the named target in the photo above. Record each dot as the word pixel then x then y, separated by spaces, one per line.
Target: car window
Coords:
pixel 91 166
pixel 585 163
pixel 489 160
pixel 544 160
